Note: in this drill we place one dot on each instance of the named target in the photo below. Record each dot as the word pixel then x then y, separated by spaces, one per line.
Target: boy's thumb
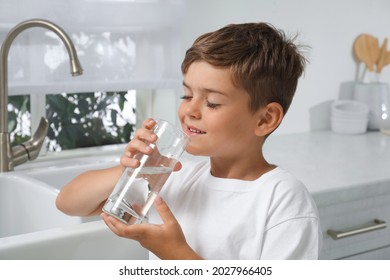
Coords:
pixel 163 210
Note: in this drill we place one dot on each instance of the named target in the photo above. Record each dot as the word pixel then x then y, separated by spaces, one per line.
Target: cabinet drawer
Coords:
pixel 378 254
pixel 356 219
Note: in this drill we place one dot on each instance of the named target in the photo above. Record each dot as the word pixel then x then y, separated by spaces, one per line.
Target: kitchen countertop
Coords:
pixel 336 168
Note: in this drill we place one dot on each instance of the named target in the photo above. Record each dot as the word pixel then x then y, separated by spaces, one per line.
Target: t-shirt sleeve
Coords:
pixel 293 228
pixel 294 239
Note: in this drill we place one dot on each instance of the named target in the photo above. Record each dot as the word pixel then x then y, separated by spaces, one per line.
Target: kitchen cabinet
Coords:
pixel 349 179
pixel 361 214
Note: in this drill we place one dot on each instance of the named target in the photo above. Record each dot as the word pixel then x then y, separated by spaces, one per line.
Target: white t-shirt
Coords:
pixel 273 217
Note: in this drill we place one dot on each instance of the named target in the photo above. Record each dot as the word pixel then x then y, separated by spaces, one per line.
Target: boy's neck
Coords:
pixel 244 168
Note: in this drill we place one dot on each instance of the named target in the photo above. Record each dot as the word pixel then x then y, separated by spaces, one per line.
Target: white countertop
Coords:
pixel 334 167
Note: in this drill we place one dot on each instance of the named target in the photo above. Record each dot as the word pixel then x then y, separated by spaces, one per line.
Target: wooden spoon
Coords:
pixel 374 50
pixel 387 58
pixel 367 50
pixel 382 57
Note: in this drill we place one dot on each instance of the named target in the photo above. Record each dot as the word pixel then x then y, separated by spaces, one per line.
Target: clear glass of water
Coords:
pixel 137 188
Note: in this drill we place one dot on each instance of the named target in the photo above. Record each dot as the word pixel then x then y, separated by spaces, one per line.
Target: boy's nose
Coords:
pixel 193 109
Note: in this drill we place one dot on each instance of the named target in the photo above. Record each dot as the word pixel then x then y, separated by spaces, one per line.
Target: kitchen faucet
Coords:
pixel 29 150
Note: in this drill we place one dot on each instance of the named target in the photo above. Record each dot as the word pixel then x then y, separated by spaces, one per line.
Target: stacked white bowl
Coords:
pixel 349 117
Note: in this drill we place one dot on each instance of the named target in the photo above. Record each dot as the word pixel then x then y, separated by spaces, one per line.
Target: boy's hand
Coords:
pixel 166 241
pixel 139 145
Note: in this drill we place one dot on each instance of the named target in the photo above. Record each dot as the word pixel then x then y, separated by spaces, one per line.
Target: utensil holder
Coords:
pixel 377 97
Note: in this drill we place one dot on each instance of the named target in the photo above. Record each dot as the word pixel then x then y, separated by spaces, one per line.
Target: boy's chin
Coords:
pixel 196 152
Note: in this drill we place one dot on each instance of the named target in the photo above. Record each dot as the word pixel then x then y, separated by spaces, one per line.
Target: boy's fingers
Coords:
pixel 164 211
pixel 148 123
pixel 109 223
pixel 129 162
pixel 143 135
pixel 121 229
pixel 178 166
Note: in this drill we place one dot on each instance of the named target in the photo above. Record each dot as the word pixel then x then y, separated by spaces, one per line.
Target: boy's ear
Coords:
pixel 269 119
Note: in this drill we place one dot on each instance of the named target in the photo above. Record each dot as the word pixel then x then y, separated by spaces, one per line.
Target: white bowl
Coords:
pixel 349 109
pixel 349 126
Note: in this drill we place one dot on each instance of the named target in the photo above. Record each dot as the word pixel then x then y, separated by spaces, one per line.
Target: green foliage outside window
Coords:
pixel 82 120
pixel 18 116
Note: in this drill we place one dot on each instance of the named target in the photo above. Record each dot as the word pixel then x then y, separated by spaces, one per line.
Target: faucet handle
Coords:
pixel 29 150
pixel 34 145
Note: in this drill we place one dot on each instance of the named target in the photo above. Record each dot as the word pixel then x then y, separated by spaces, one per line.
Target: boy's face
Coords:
pixel 215 113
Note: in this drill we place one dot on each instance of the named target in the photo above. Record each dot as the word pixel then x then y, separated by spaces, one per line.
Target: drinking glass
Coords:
pixel 137 188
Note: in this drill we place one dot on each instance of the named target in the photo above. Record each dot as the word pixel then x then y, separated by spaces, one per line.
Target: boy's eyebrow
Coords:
pixel 206 90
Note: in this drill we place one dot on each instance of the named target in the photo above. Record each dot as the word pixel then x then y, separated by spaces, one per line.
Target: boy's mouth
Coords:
pixel 194 130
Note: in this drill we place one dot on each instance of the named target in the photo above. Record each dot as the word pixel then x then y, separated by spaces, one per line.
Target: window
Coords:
pixel 89 119
pixel 77 120
pixel 126 47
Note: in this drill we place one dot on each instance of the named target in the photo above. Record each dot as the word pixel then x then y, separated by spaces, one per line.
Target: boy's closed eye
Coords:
pixel 209 104
pixel 212 105
pixel 186 97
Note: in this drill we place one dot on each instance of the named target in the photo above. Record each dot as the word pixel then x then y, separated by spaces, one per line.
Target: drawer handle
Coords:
pixel 337 234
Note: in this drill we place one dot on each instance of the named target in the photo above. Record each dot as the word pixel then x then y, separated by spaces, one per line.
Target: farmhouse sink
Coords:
pixel 59 173
pixel 31 227
pixel 28 205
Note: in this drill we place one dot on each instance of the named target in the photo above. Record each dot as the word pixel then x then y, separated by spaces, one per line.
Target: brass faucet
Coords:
pixel 13 156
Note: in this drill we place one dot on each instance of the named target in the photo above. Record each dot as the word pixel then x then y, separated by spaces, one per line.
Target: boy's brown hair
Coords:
pixel 262 61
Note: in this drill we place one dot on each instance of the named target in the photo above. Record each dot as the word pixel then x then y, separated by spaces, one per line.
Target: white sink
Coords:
pixel 31 227
pixel 28 205
pixel 59 173
pixel 87 241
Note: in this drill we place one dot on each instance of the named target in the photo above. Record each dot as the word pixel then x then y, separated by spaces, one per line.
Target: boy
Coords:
pixel 238 84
